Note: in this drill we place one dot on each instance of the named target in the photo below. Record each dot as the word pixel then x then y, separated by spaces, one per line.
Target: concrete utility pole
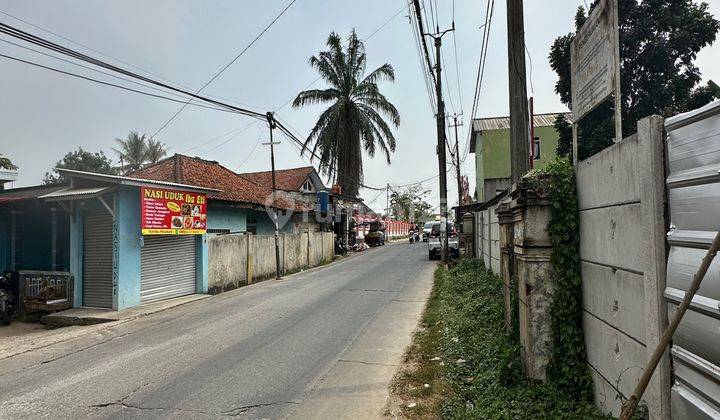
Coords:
pixel 457 158
pixel 437 36
pixel 271 123
pixel 519 137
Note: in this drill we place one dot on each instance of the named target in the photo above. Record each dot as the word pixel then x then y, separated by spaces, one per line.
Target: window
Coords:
pixel 251 226
pixel 307 186
pixel 536 148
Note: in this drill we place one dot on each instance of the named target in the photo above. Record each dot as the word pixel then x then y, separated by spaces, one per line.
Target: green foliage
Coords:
pixel 354 121
pixel 6 163
pixel 410 202
pixel 567 370
pixel 136 150
pixel 81 160
pixel 482 358
pixel 659 42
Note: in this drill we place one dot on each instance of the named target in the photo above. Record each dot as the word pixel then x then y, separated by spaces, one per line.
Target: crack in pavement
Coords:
pixel 367 363
pixel 373 290
pixel 237 411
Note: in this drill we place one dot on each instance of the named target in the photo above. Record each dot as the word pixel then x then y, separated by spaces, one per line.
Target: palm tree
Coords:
pixel 156 150
pixel 353 122
pixel 133 151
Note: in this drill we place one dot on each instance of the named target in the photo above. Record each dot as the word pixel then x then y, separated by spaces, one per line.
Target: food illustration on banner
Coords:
pixel 170 212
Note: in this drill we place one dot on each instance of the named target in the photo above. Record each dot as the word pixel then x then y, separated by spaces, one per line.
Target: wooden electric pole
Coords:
pixel 457 159
pixel 271 123
pixel 442 163
pixel 519 137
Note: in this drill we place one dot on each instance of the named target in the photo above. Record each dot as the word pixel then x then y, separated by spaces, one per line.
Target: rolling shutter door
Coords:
pixel 168 267
pixel 97 259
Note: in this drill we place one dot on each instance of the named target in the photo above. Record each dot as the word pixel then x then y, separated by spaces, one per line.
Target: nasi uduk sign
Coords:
pixel 592 60
pixel 171 212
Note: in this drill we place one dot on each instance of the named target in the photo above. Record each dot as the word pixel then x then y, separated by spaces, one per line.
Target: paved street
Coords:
pixel 320 344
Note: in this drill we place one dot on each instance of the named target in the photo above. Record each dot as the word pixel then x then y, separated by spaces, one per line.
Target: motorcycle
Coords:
pixel 7 305
pixel 340 247
pixel 414 237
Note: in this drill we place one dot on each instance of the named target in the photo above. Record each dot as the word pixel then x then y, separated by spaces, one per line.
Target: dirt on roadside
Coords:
pixel 21 337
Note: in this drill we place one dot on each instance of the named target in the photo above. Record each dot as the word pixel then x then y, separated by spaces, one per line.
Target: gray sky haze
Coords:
pixel 45 115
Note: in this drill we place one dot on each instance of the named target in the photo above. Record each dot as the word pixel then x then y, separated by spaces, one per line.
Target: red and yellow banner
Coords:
pixel 171 212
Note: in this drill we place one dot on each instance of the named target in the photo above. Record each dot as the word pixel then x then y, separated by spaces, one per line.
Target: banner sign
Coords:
pixel 170 212
pixel 592 60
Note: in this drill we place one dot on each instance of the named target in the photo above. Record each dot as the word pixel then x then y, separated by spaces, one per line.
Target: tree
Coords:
pixel 354 121
pixel 410 205
pixel 156 150
pixel 133 151
pixel 6 163
pixel 659 40
pixel 81 160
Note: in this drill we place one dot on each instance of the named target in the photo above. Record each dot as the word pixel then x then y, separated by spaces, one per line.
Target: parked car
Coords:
pixel 435 244
pixel 427 227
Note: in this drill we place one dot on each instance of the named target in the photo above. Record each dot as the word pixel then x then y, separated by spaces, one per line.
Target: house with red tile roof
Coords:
pixel 241 203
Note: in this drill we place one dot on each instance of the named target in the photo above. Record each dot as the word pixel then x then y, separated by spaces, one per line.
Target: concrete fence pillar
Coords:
pixel 249 259
pixel 530 209
pixel 507 275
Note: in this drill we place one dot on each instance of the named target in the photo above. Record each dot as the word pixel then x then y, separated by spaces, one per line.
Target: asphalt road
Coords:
pixel 319 344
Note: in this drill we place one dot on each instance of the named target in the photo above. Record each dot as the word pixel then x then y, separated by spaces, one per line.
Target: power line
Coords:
pixel 457 67
pixel 224 68
pixel 108 83
pixel 91 69
pixel 86 47
pixel 46 30
pixel 36 40
pixel 385 23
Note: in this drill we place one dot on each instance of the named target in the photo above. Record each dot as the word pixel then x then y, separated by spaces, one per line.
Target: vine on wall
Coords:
pixel 568 369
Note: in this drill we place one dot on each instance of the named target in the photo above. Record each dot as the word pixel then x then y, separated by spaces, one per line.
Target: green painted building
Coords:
pixel 490 142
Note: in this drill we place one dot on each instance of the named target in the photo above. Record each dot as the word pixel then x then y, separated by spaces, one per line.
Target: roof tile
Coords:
pixel 210 174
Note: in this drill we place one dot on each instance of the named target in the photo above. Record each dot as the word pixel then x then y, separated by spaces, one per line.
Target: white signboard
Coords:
pixel 592 60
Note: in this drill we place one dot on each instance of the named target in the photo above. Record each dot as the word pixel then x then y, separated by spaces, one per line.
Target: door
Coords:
pixel 167 267
pixel 97 259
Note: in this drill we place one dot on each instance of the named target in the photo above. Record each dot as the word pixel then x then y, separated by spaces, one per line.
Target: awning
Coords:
pixel 76 193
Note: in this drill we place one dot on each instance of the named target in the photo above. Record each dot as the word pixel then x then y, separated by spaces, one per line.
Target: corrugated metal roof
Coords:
pixel 68 193
pixel 502 123
pixel 27 193
pixel 126 180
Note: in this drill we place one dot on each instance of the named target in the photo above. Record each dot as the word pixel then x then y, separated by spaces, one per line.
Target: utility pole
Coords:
pixel 387 200
pixel 519 137
pixel 271 123
pixel 457 158
pixel 437 36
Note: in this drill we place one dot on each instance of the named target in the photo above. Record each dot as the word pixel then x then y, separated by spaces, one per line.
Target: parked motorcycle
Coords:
pixel 7 300
pixel 340 247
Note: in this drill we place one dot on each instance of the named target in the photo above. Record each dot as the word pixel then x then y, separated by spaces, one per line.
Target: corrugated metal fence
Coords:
pixel 693 153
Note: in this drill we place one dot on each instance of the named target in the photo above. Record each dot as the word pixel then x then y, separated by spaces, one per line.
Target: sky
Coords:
pixel 44 115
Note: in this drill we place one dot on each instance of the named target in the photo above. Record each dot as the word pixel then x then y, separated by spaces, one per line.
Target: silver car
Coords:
pixel 435 245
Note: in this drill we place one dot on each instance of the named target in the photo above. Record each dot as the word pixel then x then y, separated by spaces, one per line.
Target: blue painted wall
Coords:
pixel 201 264
pixel 76 255
pixel 4 242
pixel 223 216
pixel 265 224
pixel 129 240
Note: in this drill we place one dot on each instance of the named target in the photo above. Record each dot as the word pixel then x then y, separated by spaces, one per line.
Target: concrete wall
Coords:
pixel 229 254
pixel 621 199
pixel 487 238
